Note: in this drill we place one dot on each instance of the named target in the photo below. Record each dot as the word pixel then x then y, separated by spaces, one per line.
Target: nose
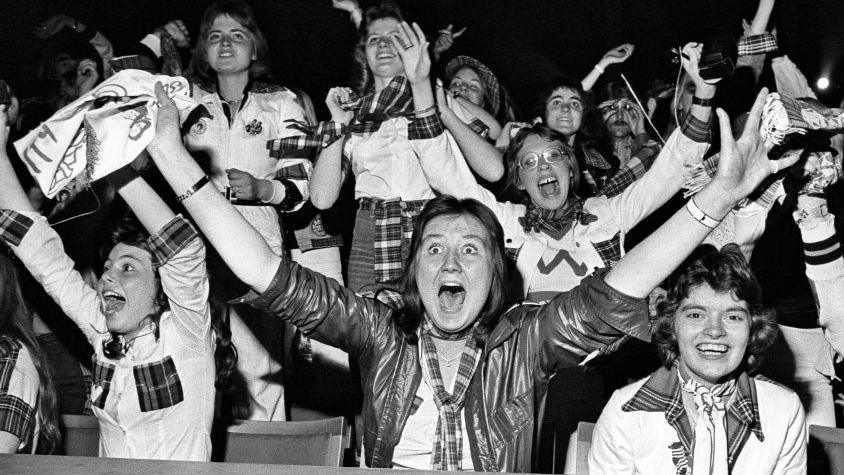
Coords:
pixel 714 327
pixel 383 42
pixel 108 276
pixel 451 263
pixel 226 40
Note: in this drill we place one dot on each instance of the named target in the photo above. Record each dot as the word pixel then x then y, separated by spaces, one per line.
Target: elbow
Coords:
pixel 322 201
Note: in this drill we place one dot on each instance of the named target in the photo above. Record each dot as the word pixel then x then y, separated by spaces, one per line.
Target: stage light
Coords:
pixel 823 83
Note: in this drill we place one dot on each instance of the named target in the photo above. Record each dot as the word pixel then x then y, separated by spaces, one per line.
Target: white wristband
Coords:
pixel 599 68
pixel 700 216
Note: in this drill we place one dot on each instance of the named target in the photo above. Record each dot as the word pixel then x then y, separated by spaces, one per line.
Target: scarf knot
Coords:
pixel 557 221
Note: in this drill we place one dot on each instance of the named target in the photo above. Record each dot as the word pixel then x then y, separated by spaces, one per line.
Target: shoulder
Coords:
pixel 272 90
pixel 768 389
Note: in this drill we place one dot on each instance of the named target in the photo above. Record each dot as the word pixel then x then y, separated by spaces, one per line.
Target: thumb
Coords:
pixel 161 96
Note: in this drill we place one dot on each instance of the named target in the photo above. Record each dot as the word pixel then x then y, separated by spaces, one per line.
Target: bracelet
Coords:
pixel 425 110
pixel 196 186
pixel 700 216
pixel 599 68
pixel 701 101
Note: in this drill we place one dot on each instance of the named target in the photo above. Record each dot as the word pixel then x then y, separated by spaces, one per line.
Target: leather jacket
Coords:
pixel 507 393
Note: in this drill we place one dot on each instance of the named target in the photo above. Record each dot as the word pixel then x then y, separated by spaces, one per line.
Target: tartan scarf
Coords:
pixel 371 110
pixel 556 222
pixel 447 452
pixel 709 401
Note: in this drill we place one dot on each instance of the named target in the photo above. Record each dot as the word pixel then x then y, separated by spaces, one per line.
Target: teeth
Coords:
pixel 712 347
pixel 545 181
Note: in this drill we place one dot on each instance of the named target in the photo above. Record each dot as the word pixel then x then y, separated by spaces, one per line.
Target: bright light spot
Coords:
pixel 823 83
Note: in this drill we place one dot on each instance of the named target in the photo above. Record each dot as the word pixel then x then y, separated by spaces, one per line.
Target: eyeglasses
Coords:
pixel 551 155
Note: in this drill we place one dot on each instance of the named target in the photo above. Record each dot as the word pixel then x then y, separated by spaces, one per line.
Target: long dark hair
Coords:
pixel 362 80
pixel 511 159
pixel 410 317
pixel 242 13
pixel 724 271
pixel 16 323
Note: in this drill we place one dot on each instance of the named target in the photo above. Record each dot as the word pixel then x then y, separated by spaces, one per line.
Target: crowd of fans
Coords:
pixel 173 226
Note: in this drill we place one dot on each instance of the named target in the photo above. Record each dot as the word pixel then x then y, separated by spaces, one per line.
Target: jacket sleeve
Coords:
pixel 825 270
pixel 290 185
pixel 663 179
pixel 324 310
pixel 792 459
pixel 587 319
pixel 40 249
pixel 611 452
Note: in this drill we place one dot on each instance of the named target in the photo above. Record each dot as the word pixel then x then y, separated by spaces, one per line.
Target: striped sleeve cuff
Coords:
pixel 697 130
pixel 170 239
pixel 757 44
pixel 427 127
pixel 16 417
pixel 822 249
pixel 14 226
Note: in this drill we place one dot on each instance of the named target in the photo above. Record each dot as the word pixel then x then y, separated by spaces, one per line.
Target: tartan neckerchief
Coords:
pixel 447 452
pixel 556 223
pixel 662 393
pixel 708 402
pixel 373 109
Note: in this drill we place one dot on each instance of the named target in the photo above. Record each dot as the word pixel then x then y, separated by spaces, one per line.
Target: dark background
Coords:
pixel 524 42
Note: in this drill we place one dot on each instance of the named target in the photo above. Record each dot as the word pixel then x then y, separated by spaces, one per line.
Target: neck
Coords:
pixel 571 138
pixel 380 82
pixel 230 86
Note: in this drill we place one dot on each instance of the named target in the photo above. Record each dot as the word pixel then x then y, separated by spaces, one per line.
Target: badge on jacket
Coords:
pixel 255 127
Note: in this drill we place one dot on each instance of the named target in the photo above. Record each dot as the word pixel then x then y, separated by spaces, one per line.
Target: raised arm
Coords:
pixel 619 54
pixel 742 167
pixel 241 247
pixel 327 177
pixel 481 155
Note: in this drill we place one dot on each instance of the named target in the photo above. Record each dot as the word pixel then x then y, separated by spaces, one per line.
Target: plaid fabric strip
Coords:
pixel 103 374
pixel 696 129
pixel 426 127
pixel 314 139
pixel 158 385
pixel 394 222
pixel 624 178
pixel 757 44
pixel 395 100
pixel 14 226
pixel 742 418
pixel 479 127
pixel 293 172
pixel 16 416
pixel 171 239
pixel 448 438
pixel 609 250
pixel 88 380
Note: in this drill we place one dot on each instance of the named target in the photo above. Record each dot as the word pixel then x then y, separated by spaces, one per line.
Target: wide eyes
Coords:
pixel 440 249
pixel 558 103
pixel 436 249
pixel 127 268
pixel 236 36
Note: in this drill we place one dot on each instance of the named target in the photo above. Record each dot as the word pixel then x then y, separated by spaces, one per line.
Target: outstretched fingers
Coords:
pixel 751 128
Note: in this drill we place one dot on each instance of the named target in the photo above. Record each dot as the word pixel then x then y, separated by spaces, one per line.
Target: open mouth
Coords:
pixel 712 349
pixel 112 301
pixel 385 55
pixel 549 186
pixel 451 297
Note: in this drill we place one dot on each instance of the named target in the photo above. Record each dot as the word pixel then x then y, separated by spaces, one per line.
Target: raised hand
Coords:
pixel 167 133
pixel 244 185
pixel 86 76
pixel 412 47
pixel 179 32
pixel 335 97
pixel 446 39
pixel 690 58
pixel 744 163
pixel 619 54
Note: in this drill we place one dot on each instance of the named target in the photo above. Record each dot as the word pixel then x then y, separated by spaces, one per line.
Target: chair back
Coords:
pixel 286 442
pixel 80 435
pixel 832 443
pixel 577 455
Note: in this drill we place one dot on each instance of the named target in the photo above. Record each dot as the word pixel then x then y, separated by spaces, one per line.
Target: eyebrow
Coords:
pixel 701 307
pixel 440 236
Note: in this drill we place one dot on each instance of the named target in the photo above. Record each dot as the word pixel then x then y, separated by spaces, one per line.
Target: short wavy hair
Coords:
pixel 511 161
pixel 243 14
pixel 410 317
pixel 724 271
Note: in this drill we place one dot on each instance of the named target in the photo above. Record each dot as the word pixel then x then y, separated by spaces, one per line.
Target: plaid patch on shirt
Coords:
pixel 103 374
pixel 479 127
pixel 13 226
pixel 757 44
pixel 158 384
pixel 315 138
pixel 16 416
pixel 170 239
pixel 394 222
pixel 624 178
pixel 609 250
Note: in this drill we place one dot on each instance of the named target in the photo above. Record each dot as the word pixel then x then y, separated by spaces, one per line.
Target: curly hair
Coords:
pixel 242 13
pixel 361 74
pixel 724 271
pixel 410 317
pixel 511 160
pixel 592 133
